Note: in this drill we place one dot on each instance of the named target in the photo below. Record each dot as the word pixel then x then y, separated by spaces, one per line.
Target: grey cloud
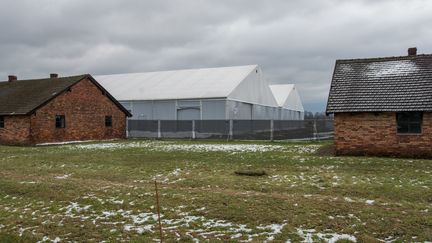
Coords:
pixel 294 41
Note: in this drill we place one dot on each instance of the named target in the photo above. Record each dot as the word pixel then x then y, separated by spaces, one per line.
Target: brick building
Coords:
pixel 382 106
pixel 57 110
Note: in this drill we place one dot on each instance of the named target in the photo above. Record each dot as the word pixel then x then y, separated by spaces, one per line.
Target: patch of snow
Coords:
pixel 391 68
pixel 167 147
pixel 275 230
pixel 75 207
pixel 309 236
pixel 115 201
pixel 66 142
pixel 65 176
pixel 221 147
pixel 47 239
pixel 111 146
pixel 370 202
pixel 303 149
pixel 348 199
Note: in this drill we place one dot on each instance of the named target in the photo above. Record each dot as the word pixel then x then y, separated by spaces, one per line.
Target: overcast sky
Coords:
pixel 294 41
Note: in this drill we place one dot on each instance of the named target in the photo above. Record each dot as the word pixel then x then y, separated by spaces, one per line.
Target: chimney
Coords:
pixel 412 51
pixel 53 75
pixel 12 78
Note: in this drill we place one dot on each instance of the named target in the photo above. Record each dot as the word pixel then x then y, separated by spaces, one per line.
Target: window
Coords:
pixel 409 122
pixel 60 121
pixel 108 121
pixel 1 121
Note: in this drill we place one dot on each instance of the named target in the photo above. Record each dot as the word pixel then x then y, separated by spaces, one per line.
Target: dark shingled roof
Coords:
pixel 382 84
pixel 23 97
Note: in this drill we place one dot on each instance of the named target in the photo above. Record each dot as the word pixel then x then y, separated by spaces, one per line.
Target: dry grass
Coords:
pixel 105 192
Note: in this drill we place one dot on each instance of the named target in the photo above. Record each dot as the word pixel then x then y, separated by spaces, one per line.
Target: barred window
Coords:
pixel 409 122
pixel 108 121
pixel 60 121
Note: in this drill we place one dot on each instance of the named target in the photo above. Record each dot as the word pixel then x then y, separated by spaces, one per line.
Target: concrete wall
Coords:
pixel 376 134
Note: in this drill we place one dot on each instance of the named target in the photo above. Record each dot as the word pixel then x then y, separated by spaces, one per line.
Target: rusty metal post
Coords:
pixel 158 211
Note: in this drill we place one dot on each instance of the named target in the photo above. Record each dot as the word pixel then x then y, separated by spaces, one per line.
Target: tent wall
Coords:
pixel 207 109
pixel 238 110
pixel 213 109
pixel 254 89
pixel 177 109
pixel 286 114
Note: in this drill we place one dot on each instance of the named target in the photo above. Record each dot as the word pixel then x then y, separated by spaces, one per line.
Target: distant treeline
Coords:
pixel 317 115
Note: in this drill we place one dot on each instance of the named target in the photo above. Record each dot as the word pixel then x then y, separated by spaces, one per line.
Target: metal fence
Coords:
pixel 232 129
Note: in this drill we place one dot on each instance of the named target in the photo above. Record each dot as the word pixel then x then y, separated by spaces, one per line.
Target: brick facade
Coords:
pixel 84 107
pixel 16 130
pixel 376 134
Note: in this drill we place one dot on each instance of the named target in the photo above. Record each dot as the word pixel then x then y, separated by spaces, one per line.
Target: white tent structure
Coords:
pixel 238 93
pixel 288 99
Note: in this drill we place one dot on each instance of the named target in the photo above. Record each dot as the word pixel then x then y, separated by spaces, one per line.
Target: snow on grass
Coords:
pixel 110 146
pixel 173 147
pixel 180 222
pixel 171 177
pixel 348 199
pixel 47 239
pixel 221 147
pixel 28 182
pixel 370 202
pixel 310 236
pixel 303 149
pixel 65 176
pixel 73 208
pixel 196 227
pixel 63 143
pixel 168 147
pixel 275 229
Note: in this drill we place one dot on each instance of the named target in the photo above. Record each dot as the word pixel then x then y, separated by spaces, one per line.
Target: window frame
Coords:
pixel 60 121
pixel 409 123
pixel 108 121
pixel 2 122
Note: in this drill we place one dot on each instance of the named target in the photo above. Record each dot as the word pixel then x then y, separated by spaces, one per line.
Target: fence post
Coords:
pixel 159 135
pixel 314 130
pixel 231 125
pixel 127 127
pixel 271 130
pixel 193 129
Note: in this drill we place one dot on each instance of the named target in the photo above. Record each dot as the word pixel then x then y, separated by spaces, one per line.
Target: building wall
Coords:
pixel 206 109
pixel 84 108
pixel 376 134
pixel 238 110
pixel 16 130
pixel 213 109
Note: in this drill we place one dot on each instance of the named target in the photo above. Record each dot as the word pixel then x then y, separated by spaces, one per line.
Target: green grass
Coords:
pixel 108 193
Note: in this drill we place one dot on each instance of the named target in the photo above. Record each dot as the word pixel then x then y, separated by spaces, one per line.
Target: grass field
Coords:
pixel 105 192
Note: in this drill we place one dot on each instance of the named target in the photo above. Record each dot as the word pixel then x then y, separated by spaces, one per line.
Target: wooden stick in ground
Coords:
pixel 158 211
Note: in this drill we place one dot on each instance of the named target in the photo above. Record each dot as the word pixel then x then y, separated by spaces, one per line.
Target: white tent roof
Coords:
pixel 286 96
pixel 243 83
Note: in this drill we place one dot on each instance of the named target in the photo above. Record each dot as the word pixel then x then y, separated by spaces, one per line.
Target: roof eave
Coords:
pixel 116 102
pixel 14 114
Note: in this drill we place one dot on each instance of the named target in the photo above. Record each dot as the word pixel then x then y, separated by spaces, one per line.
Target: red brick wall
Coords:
pixel 84 108
pixel 16 130
pixel 376 134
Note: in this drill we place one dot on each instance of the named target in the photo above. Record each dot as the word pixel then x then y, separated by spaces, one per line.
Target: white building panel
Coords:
pixel 287 96
pixel 239 93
